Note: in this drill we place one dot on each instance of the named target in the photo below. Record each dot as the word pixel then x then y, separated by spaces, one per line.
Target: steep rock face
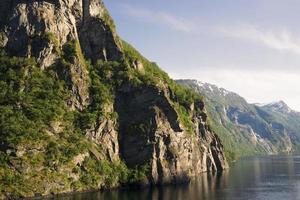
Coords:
pixel 151 134
pixel 97 37
pixel 27 21
pixel 40 29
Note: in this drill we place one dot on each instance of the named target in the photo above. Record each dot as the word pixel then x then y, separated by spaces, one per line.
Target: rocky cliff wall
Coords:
pixel 147 131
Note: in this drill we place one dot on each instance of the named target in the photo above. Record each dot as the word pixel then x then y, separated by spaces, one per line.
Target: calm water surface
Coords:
pixel 257 178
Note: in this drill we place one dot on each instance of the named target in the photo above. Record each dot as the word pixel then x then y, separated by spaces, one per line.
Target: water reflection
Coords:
pixel 259 178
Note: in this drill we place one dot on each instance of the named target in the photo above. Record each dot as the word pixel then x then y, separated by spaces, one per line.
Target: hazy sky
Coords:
pixel 251 47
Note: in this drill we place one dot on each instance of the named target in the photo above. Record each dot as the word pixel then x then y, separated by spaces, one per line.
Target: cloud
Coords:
pixel 282 40
pixel 159 17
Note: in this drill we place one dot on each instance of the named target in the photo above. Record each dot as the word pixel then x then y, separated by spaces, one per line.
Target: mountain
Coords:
pixel 281 113
pixel 82 110
pixel 247 129
pixel 279 107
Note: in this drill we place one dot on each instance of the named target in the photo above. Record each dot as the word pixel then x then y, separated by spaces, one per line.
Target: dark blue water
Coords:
pixel 257 178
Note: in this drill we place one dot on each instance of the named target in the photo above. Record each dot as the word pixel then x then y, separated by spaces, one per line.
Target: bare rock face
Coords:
pixel 68 20
pixel 98 37
pixel 104 133
pixel 151 134
pixel 40 29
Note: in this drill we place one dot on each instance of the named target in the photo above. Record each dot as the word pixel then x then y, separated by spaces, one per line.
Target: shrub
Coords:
pixel 72 50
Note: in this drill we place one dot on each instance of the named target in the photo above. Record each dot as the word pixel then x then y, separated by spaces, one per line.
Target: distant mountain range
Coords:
pixel 245 128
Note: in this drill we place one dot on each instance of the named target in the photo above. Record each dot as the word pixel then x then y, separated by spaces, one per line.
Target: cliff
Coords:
pixel 81 109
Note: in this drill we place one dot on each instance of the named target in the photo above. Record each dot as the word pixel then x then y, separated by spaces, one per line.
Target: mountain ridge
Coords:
pixel 279 106
pixel 267 128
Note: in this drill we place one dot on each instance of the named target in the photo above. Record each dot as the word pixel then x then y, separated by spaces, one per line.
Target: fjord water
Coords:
pixel 255 178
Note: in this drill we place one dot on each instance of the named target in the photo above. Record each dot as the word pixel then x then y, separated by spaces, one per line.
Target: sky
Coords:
pixel 251 47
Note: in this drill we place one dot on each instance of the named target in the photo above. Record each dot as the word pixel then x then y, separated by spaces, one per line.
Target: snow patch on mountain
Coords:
pixel 279 106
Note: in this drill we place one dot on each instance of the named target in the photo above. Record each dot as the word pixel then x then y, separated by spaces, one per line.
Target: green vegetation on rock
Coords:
pixel 42 137
pixel 182 97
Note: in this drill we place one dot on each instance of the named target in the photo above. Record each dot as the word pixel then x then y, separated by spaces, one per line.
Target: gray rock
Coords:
pixel 151 134
pixel 104 133
pixel 39 29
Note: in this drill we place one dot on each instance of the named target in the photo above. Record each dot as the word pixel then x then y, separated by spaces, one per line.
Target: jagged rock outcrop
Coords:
pixel 150 133
pixel 97 37
pixel 140 123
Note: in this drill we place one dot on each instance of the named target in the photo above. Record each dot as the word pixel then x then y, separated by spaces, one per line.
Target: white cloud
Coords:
pixel 282 40
pixel 158 17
